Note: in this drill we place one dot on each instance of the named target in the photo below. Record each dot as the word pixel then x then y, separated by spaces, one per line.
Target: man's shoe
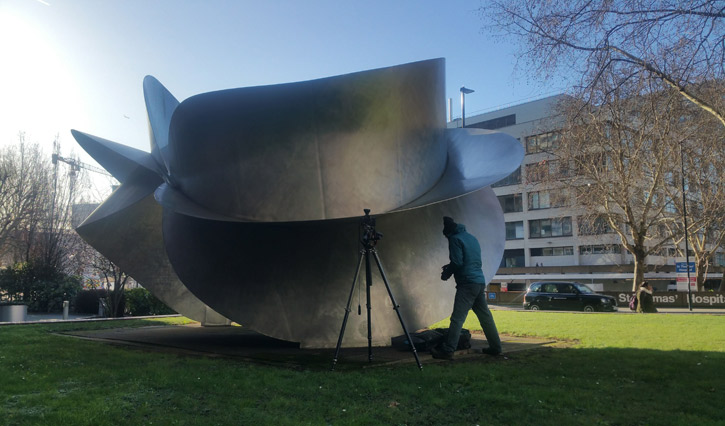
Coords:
pixel 490 351
pixel 438 353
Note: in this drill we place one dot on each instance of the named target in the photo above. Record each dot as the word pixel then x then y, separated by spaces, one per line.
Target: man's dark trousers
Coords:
pixel 471 296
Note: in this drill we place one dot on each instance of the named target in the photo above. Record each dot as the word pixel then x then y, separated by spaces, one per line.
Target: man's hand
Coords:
pixel 446 273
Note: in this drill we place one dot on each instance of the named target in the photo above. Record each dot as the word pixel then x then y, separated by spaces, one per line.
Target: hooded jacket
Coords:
pixel 465 256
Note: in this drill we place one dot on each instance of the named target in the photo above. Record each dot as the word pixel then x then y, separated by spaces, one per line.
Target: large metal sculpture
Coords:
pixel 250 199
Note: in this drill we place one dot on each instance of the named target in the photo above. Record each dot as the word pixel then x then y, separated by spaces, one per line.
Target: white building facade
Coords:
pixel 545 240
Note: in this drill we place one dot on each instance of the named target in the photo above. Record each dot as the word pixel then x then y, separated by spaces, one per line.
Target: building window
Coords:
pixel 542 228
pixel 719 259
pixel 537 172
pixel 665 251
pixel 515 230
pixel 512 179
pixel 545 142
pixel 600 249
pixel 511 203
pixel 513 258
pixel 670 206
pixel 553 251
pixel 594 226
pixel 593 164
pixel 496 123
pixel 548 199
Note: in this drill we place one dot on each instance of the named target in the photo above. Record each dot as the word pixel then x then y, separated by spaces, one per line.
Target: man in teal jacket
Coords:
pixel 465 266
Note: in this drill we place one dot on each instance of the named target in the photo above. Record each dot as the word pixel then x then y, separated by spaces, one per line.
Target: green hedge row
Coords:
pixel 140 302
pixel 136 302
pixel 44 289
pixel 41 287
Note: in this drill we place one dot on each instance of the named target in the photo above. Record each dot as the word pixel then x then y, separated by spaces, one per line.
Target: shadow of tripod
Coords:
pixel 369 239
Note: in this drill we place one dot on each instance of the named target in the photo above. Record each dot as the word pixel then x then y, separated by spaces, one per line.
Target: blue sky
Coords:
pixel 80 63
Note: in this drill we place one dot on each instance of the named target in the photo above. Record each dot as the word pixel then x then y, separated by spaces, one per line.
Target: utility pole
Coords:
pixel 684 215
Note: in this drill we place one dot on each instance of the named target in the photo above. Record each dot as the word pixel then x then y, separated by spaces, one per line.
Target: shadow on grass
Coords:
pixel 555 385
pixel 587 386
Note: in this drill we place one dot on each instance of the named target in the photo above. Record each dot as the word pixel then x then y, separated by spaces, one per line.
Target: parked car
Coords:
pixel 570 296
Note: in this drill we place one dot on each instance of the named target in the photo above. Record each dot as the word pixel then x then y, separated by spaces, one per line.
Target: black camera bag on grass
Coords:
pixel 427 339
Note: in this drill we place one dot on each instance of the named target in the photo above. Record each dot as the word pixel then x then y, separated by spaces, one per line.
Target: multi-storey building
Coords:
pixel 545 238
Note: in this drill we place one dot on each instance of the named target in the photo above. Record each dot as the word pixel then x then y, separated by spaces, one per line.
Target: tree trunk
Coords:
pixel 114 301
pixel 638 272
pixel 701 271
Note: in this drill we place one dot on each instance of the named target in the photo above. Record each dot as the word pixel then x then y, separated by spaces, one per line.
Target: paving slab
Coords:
pixel 246 345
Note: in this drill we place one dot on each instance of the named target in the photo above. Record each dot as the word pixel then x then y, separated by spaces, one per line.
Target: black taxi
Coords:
pixel 569 296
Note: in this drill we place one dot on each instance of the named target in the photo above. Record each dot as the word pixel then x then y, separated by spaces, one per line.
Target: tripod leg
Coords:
pixel 347 310
pixel 396 307
pixel 368 283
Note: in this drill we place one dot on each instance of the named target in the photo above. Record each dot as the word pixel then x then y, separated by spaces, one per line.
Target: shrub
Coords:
pixel 41 287
pixel 9 289
pixel 140 302
pixel 87 301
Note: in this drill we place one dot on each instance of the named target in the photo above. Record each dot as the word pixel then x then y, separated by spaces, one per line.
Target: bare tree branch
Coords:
pixel 678 42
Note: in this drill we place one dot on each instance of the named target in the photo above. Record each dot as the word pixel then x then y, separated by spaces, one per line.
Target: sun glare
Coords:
pixel 36 83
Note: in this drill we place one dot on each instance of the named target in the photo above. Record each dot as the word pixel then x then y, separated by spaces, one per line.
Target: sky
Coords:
pixel 79 64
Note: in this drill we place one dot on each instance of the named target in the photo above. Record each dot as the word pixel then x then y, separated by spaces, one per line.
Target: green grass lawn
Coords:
pixel 616 369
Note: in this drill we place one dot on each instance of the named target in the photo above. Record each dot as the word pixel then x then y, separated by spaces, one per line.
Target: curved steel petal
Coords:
pixel 176 201
pixel 476 158
pixel 160 105
pixel 291 280
pixel 313 150
pixel 138 186
pixel 126 229
pixel 120 160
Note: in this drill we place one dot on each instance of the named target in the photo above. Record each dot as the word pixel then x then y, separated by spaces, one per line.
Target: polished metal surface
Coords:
pixel 132 238
pixel 257 194
pixel 291 280
pixel 476 158
pixel 120 160
pixel 160 105
pixel 126 229
pixel 298 151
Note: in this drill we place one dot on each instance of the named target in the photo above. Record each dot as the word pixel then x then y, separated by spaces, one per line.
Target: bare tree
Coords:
pixel 23 186
pixel 620 155
pixel 703 163
pixel 677 43
pixel 35 236
pixel 46 235
pixel 36 201
pixel 112 278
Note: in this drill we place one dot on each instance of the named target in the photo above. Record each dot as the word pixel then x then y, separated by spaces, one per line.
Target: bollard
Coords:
pixel 65 309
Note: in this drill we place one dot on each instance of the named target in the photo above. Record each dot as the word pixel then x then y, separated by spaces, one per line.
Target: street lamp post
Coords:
pixel 464 92
pixel 684 215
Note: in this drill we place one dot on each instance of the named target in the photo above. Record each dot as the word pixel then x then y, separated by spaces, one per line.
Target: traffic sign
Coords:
pixel 681 267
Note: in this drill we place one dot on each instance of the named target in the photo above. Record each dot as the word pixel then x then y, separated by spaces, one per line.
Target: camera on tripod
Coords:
pixel 370 236
pixel 368 239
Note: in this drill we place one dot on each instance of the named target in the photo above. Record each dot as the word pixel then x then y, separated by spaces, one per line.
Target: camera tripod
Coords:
pixel 369 239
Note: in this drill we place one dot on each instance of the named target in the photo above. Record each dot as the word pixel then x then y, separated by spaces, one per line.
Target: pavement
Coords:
pixel 242 344
pixel 239 343
pixel 43 317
